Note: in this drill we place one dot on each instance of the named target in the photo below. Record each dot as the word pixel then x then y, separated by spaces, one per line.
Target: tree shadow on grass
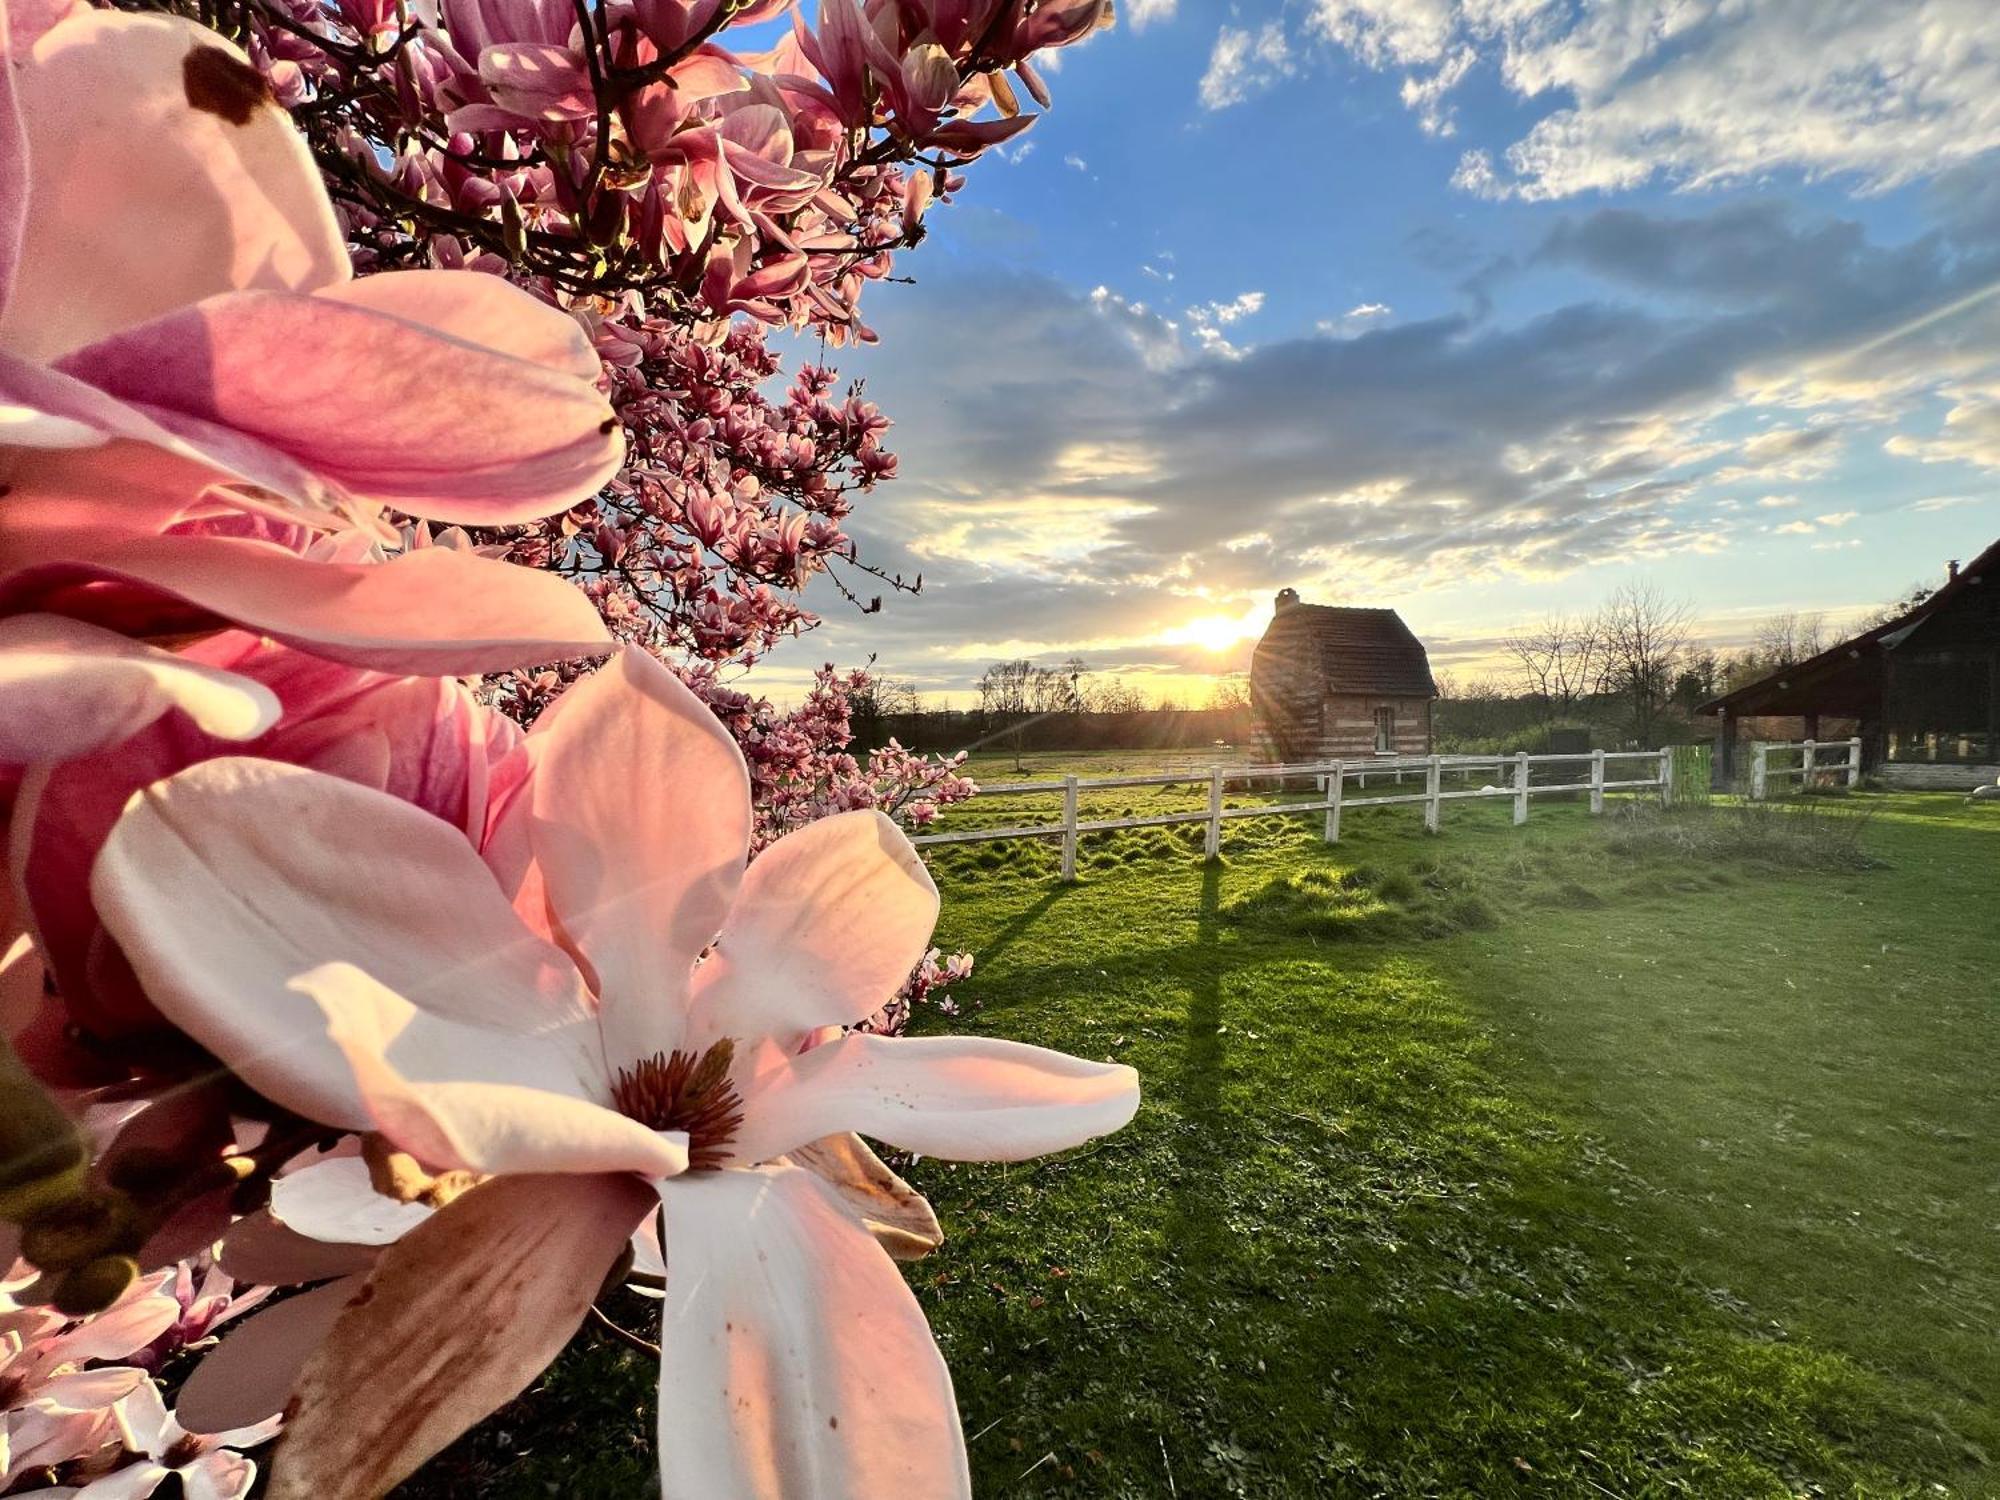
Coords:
pixel 1194 1220
pixel 991 949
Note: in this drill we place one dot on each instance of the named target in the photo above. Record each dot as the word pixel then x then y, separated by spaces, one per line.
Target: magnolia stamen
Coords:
pixel 682 1091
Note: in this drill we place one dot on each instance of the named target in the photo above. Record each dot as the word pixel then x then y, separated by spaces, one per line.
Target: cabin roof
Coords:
pixel 1846 679
pixel 1368 651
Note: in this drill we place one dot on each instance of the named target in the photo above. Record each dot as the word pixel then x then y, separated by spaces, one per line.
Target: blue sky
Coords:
pixel 1476 308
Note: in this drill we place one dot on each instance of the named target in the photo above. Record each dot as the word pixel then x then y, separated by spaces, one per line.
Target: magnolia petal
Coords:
pixel 218 1475
pixel 162 172
pixel 487 312
pixel 13 184
pixel 829 922
pixel 899 1217
pixel 21 977
pixel 229 883
pixel 795 1363
pixel 335 1200
pixel 965 1098
pixel 122 1329
pixel 157 472
pixel 67 688
pixel 387 407
pixel 258 1250
pixel 459 1316
pixel 433 612
pixel 248 1377
pixel 483 1125
pixel 639 820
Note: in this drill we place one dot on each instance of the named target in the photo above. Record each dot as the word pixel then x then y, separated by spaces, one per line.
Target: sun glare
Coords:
pixel 1212 632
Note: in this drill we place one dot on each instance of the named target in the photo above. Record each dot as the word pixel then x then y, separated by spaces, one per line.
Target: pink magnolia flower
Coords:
pixel 206 1464
pixel 201 413
pixel 423 739
pixel 656 1009
pixel 53 1410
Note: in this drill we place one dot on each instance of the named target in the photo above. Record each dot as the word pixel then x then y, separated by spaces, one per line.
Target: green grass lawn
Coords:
pixel 1510 1161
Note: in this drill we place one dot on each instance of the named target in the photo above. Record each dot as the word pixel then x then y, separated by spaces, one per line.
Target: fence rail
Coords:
pixel 1763 773
pixel 1331 779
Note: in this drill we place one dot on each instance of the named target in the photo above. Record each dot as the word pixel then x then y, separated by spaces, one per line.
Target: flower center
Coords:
pixel 680 1091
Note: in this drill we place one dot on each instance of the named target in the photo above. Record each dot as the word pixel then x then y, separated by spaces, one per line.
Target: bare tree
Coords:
pixel 1230 693
pixel 1114 696
pixel 1791 637
pixel 1560 661
pixel 1644 636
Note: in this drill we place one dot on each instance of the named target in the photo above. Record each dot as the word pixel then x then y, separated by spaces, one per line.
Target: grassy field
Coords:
pixel 1556 1161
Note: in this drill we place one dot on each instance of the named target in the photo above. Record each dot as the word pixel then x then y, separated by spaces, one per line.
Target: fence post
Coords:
pixel 1596 781
pixel 1666 775
pixel 1433 774
pixel 1806 767
pixel 1069 830
pixel 1520 788
pixel 1334 785
pixel 1757 773
pixel 1854 762
pixel 1213 845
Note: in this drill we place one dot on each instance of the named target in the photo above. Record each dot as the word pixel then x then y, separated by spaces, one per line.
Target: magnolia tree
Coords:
pixel 679 197
pixel 317 971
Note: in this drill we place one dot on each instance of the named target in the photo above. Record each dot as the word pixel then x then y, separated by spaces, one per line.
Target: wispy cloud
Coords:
pixel 1697 94
pixel 1243 64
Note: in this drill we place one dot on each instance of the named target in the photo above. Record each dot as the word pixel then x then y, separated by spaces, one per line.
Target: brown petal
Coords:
pixel 261 1251
pixel 457 1318
pixel 894 1212
pixel 249 1375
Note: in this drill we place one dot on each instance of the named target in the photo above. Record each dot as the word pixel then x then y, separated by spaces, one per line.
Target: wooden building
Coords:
pixel 1332 683
pixel 1924 689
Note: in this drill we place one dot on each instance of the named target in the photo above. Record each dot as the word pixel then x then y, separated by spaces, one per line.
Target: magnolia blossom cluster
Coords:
pixel 701 152
pixel 729 502
pixel 78 1403
pixel 319 973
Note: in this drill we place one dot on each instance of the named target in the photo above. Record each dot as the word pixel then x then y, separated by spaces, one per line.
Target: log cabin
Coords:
pixel 1328 682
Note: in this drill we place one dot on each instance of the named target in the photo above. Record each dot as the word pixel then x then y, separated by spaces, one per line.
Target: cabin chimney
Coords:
pixel 1289 597
pixel 1950 572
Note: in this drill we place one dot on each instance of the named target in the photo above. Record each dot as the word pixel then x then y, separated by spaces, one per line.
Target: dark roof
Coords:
pixel 1846 679
pixel 1350 650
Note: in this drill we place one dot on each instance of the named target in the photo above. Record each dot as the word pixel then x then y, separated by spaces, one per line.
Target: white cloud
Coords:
pixel 1698 92
pixel 1076 162
pixel 1143 13
pixel 1243 64
pixel 1243 306
pixel 1427 95
pixel 1970 434
pixel 1837 518
pixel 1795 528
pixel 1206 320
pixel 1777 502
pixel 1475 175
pixel 1355 319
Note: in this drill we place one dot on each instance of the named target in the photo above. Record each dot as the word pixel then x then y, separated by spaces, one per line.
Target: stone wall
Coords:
pixel 1913 776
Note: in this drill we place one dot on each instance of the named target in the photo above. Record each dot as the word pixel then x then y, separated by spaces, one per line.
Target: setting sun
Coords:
pixel 1214 632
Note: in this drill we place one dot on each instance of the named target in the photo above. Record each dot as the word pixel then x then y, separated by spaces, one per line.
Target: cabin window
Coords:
pixel 1385 729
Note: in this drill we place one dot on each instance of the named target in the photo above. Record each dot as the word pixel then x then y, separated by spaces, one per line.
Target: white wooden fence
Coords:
pixel 1811 763
pixel 1513 774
